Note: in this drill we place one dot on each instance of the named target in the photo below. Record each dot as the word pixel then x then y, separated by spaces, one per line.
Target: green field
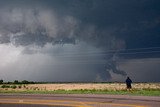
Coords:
pixel 143 92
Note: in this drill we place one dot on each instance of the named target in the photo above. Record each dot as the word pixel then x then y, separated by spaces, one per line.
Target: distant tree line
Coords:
pixel 1 81
pixel 17 82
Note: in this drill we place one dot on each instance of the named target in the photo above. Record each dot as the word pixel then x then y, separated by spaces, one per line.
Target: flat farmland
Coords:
pixel 146 89
pixel 81 86
pixel 91 86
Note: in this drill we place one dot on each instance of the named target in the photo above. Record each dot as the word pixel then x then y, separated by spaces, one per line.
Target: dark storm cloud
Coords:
pixel 24 26
pixel 104 24
pixel 121 20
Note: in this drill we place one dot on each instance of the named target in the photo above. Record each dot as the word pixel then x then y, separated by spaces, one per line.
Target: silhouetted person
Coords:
pixel 128 83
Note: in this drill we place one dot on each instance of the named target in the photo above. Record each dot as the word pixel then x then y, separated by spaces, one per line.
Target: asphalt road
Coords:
pixel 77 100
pixel 26 105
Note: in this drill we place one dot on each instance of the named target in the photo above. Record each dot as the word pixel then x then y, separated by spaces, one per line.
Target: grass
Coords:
pixel 142 92
pixel 143 89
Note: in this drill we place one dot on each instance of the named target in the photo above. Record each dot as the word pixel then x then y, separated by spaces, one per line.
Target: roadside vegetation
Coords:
pixel 143 92
pixel 27 87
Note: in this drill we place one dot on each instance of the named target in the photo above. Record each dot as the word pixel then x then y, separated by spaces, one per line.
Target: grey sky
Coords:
pixel 79 40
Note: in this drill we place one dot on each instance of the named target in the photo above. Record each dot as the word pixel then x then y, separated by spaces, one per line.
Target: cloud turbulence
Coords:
pixel 75 40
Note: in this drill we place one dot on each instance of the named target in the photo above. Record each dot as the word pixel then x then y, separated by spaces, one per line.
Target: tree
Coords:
pixel 25 82
pixel 1 81
pixel 16 82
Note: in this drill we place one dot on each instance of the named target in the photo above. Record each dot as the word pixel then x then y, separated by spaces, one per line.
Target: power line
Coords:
pixel 101 54
pixel 117 50
pixel 140 52
pixel 103 62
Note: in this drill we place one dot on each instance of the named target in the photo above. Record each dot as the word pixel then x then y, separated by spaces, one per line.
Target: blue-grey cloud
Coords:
pixel 106 25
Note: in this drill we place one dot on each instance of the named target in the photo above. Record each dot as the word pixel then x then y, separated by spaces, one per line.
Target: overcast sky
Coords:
pixel 80 40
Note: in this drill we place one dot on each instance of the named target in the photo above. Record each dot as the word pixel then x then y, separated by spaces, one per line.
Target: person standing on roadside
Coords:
pixel 128 83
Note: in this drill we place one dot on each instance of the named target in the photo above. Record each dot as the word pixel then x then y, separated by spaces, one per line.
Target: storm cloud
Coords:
pixel 74 40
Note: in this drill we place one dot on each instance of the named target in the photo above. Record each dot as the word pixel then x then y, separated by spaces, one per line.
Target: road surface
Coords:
pixel 77 100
